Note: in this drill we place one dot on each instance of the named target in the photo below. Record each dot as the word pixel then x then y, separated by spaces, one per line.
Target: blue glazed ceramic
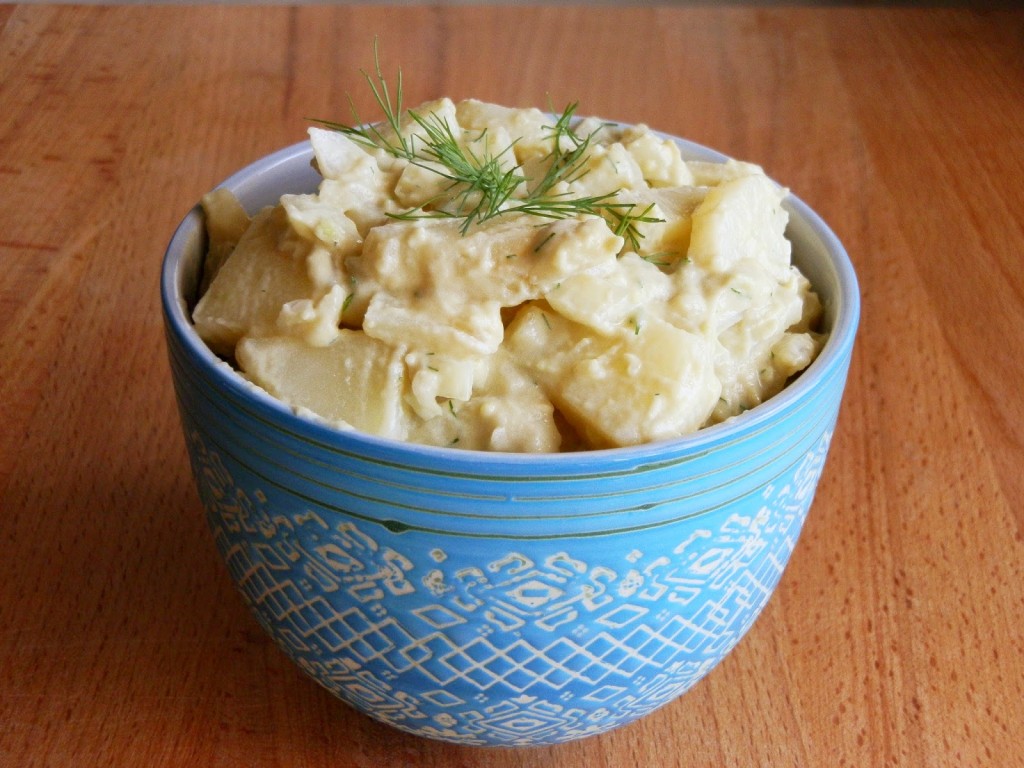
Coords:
pixel 499 599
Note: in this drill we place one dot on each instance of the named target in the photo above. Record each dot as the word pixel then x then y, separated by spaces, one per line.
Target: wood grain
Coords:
pixel 895 637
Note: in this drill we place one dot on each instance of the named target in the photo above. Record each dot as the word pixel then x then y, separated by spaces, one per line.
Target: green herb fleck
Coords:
pixel 660 259
pixel 543 242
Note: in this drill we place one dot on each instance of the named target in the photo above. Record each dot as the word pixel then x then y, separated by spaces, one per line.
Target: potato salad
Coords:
pixel 501 279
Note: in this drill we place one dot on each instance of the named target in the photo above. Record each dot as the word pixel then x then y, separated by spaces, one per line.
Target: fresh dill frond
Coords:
pixel 625 220
pixel 563 165
pixel 483 186
pixel 369 135
pixel 480 186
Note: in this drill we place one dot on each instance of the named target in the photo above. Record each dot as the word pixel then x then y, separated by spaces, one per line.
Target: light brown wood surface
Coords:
pixel 896 637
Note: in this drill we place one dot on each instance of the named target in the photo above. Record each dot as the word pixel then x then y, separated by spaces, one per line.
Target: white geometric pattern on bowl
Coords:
pixel 569 647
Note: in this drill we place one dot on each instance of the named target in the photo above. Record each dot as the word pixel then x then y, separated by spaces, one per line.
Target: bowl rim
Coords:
pixel 834 354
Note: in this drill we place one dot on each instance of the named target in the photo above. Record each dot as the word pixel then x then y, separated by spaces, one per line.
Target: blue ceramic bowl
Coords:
pixel 502 599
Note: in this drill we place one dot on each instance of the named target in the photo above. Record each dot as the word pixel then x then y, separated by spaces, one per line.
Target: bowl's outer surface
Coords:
pixel 495 598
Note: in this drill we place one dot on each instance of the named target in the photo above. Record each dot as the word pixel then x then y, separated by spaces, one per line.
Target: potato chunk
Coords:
pixel 531 128
pixel 654 384
pixel 355 381
pixel 611 297
pixel 659 158
pixel 665 239
pixel 741 219
pixel 263 273
pixel 226 222
pixel 507 412
pixel 441 290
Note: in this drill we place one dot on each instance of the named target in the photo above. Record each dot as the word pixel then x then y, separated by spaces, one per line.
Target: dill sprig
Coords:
pixel 564 166
pixel 480 185
pixel 483 186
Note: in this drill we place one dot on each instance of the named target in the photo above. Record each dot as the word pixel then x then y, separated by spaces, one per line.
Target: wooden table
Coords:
pixel 896 637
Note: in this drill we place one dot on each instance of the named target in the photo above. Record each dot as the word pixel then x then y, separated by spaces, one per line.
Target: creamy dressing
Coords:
pixel 518 333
